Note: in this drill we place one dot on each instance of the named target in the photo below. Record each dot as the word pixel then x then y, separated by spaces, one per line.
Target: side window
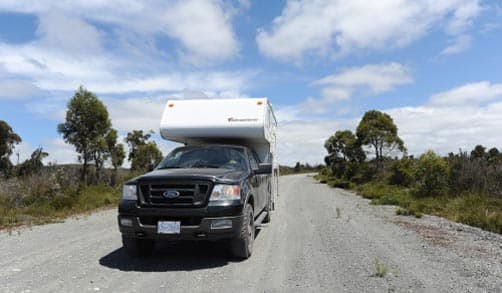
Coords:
pixel 256 157
pixel 252 161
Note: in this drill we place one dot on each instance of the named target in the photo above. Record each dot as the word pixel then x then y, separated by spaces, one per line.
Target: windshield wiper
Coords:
pixel 205 166
pixel 170 167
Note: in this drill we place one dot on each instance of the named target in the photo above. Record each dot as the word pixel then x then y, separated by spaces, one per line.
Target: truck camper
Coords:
pixel 221 184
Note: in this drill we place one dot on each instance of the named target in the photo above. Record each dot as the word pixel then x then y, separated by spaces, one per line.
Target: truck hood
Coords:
pixel 212 174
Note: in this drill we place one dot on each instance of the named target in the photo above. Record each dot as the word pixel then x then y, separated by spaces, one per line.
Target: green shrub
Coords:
pixel 408 212
pixel 476 210
pixel 366 172
pixel 398 198
pixel 402 172
pixel 339 183
pixel 431 174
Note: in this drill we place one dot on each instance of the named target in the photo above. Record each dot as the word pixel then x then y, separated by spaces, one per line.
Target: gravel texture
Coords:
pixel 320 240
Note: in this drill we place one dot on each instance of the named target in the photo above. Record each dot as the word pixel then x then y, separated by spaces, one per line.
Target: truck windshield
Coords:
pixel 205 157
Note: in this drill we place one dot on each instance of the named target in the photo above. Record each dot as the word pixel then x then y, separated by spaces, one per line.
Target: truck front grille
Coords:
pixel 190 193
pixel 184 221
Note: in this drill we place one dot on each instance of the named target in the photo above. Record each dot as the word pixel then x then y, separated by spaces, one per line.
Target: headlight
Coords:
pixel 129 192
pixel 225 192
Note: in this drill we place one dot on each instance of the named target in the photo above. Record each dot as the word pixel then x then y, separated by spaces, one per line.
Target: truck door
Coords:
pixel 257 183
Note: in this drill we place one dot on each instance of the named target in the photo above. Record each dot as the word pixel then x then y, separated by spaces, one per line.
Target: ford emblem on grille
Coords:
pixel 171 194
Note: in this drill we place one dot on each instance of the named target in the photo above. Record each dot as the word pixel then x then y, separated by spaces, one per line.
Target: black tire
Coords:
pixel 242 247
pixel 138 247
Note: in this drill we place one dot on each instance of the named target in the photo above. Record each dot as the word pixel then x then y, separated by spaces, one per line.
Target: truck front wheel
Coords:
pixel 138 247
pixel 242 247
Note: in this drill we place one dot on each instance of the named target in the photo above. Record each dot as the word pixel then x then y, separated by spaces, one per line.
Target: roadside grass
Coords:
pixel 476 210
pixel 339 183
pixel 39 209
pixel 289 172
pixel 472 209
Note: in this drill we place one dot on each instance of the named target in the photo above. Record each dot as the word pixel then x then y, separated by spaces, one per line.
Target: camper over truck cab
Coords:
pixel 220 184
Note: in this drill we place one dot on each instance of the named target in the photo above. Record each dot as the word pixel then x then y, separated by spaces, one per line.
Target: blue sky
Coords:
pixel 434 66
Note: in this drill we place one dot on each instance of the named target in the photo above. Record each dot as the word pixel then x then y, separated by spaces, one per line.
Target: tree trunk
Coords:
pixel 377 157
pixel 84 170
pixel 114 177
pixel 96 164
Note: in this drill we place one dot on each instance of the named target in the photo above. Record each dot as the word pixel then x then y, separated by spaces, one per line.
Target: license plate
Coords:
pixel 168 227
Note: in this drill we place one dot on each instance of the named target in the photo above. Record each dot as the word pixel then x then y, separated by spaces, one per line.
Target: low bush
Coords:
pixel 339 183
pixel 378 190
pixel 408 212
pixel 51 195
pixel 402 172
pixel 431 174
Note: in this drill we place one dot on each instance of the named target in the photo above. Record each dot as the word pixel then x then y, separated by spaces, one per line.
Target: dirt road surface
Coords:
pixel 320 240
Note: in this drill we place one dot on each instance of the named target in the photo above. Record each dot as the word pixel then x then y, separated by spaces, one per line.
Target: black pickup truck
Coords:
pixel 205 192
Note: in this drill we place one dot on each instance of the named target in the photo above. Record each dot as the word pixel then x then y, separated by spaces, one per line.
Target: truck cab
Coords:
pixel 204 190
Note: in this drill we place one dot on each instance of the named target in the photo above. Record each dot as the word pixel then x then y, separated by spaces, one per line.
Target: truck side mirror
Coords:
pixel 151 167
pixel 264 168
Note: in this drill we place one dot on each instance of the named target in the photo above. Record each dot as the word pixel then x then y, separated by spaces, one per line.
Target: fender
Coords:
pixel 247 190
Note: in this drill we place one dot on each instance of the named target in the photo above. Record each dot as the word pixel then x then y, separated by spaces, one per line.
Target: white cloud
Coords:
pixel 304 140
pixel 470 94
pixel 136 113
pixel 202 29
pixel 365 80
pixel 332 28
pixel 448 129
pixel 17 89
pixel 459 44
pixel 68 34
pixel 64 70
pixel 378 78
pixel 21 152
pixel 456 119
pixel 50 69
pixel 59 152
pixel 422 128
pixel 464 14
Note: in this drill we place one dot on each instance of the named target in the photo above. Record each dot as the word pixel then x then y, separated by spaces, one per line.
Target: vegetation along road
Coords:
pixel 320 240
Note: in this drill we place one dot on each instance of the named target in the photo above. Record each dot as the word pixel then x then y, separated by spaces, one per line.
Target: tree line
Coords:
pixel 372 154
pixel 88 128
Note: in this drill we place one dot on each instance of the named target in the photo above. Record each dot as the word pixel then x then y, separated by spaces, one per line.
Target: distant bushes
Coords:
pixel 299 168
pixel 464 187
pixel 52 193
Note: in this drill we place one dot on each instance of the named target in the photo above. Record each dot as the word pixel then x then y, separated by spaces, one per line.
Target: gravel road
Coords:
pixel 320 240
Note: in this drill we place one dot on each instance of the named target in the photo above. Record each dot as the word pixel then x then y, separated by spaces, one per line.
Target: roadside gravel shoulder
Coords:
pixel 453 256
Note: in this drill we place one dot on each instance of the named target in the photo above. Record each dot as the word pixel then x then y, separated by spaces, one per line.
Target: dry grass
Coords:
pixel 51 196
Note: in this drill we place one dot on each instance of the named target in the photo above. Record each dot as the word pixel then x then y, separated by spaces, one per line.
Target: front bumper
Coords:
pixel 195 223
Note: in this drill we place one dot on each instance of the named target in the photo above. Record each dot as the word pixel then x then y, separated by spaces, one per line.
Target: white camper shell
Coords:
pixel 247 122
